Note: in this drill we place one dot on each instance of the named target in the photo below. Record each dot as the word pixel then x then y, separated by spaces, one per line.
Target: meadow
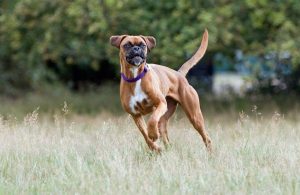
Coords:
pixel 65 143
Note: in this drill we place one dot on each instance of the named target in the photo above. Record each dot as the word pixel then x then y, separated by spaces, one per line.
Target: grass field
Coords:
pixel 65 151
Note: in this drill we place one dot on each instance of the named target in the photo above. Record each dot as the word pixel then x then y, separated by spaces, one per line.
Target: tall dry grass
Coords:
pixel 65 153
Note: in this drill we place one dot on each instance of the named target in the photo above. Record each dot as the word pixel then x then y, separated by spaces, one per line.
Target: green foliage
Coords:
pixel 65 34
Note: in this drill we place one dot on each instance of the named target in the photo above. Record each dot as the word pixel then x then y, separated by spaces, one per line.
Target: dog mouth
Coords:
pixel 135 60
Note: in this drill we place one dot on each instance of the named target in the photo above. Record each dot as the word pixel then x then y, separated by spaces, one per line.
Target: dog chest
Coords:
pixel 139 100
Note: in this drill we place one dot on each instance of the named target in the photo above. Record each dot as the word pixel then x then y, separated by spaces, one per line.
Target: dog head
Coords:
pixel 133 49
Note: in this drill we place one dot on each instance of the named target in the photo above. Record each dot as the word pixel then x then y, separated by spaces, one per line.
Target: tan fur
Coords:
pixel 163 89
pixel 197 56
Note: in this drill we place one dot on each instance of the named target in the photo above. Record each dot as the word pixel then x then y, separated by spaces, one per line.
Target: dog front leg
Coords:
pixel 140 123
pixel 153 132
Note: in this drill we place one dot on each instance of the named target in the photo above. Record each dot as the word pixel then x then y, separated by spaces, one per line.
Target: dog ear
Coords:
pixel 150 41
pixel 116 40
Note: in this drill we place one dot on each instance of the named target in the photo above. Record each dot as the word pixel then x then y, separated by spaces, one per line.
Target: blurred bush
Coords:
pixel 67 40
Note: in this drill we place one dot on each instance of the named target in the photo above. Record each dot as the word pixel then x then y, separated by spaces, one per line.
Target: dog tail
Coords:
pixel 197 56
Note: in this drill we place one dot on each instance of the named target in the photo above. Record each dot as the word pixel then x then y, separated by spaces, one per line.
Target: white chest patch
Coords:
pixel 138 95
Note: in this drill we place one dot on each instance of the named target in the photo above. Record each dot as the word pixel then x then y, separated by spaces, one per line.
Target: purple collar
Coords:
pixel 138 77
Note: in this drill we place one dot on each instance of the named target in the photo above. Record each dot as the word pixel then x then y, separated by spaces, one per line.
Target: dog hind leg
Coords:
pixel 191 106
pixel 163 122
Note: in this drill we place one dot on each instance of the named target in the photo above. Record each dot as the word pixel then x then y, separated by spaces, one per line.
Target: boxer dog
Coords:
pixel 151 88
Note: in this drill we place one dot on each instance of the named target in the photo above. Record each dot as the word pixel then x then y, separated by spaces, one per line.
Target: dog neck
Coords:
pixel 131 71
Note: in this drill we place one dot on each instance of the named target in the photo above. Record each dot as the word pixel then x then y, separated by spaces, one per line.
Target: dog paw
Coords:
pixel 156 149
pixel 153 135
pixel 208 145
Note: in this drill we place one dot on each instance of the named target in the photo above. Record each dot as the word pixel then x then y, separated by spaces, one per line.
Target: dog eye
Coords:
pixel 142 45
pixel 127 45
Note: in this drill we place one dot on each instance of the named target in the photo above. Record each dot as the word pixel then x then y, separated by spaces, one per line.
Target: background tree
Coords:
pixel 68 40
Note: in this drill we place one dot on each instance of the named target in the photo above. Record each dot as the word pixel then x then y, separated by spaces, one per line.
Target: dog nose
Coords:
pixel 136 48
